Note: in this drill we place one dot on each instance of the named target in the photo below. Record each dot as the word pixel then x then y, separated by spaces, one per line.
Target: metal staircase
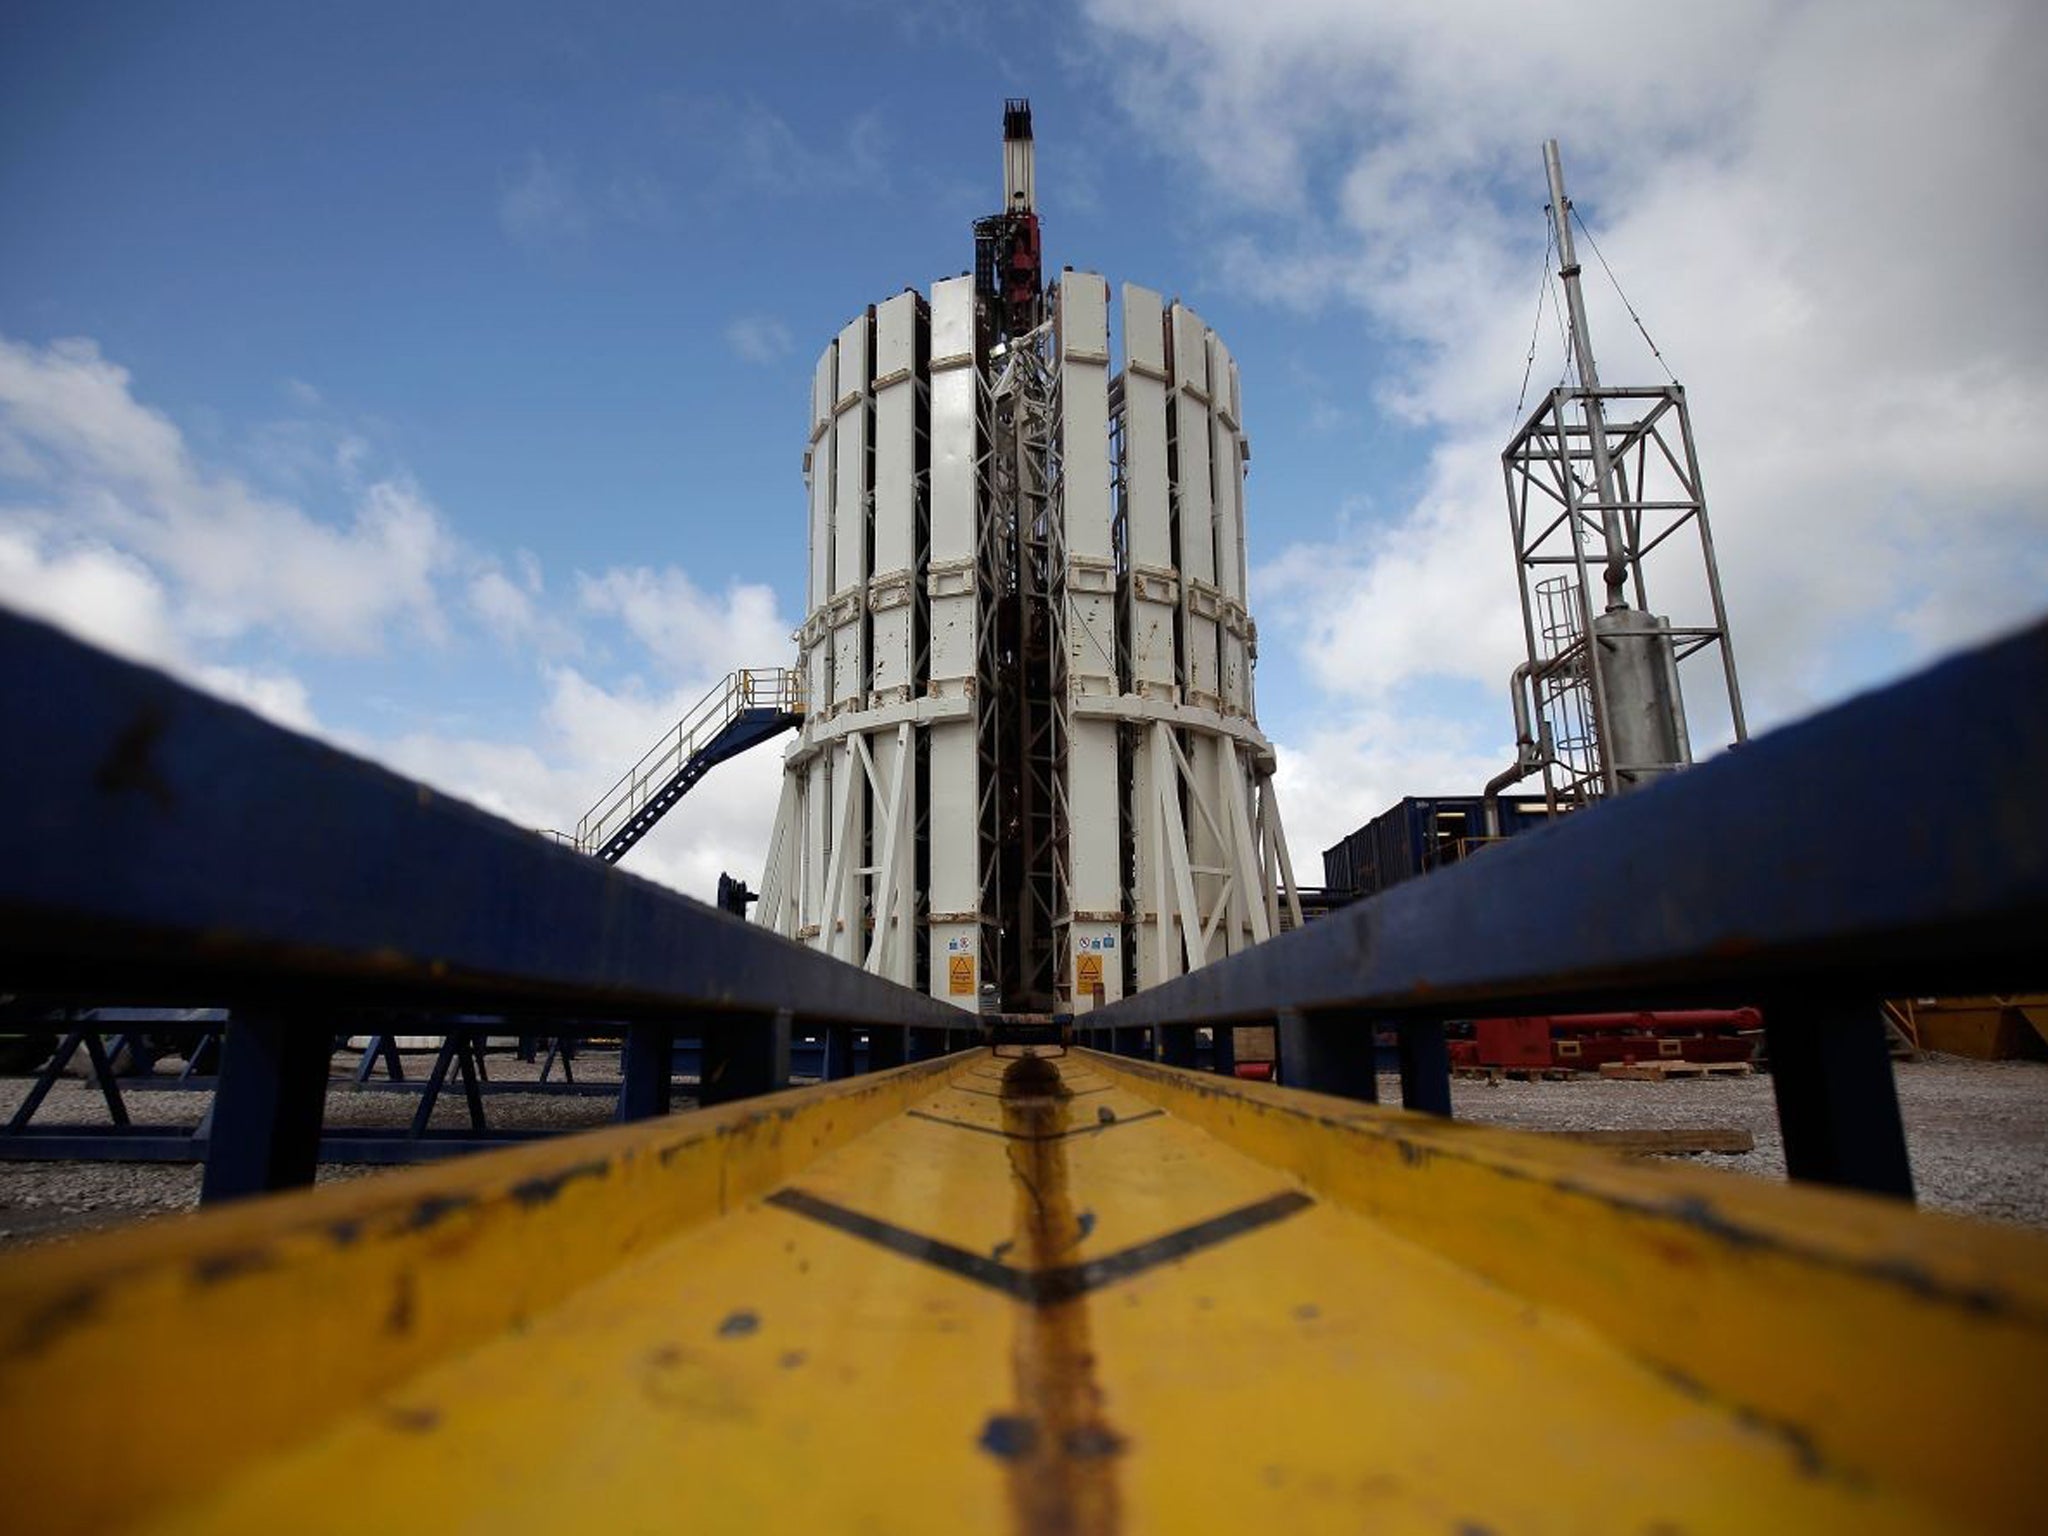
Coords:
pixel 751 706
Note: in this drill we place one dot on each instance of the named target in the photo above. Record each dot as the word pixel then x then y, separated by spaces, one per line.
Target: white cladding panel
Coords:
pixel 1191 439
pixel 1084 399
pixel 850 513
pixel 824 388
pixel 820 477
pixel 1093 786
pixel 1190 350
pixel 1147 530
pixel 1150 540
pixel 1197 544
pixel 1227 472
pixel 1085 483
pixel 954 898
pixel 895 436
pixel 850 460
pixel 953 495
pixel 889 596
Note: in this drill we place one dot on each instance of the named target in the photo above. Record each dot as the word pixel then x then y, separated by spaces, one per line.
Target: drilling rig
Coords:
pixel 1597 478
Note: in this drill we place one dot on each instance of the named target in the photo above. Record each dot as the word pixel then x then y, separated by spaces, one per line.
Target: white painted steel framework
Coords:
pixel 1031 759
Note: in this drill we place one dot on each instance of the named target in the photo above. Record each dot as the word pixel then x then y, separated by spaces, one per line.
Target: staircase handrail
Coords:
pixel 770 688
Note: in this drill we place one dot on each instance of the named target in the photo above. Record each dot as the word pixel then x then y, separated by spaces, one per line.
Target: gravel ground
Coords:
pixel 1978 1133
pixel 41 1200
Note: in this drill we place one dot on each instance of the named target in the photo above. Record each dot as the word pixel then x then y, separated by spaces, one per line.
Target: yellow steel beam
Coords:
pixel 199 1344
pixel 1890 1346
pixel 1063 1294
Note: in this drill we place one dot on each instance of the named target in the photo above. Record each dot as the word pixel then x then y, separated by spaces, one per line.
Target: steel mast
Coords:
pixel 1616 572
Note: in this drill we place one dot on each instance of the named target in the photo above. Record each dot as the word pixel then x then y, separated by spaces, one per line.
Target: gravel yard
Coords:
pixel 1978 1132
pixel 39 1200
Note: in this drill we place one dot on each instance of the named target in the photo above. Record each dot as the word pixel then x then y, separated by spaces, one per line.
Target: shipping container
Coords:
pixel 1419 834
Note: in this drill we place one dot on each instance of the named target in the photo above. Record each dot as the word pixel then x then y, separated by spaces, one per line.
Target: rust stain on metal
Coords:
pixel 131 762
pixel 1059 1446
pixel 540 1190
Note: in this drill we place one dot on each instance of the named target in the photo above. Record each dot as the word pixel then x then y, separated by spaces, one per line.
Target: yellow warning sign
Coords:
pixel 1088 975
pixel 960 975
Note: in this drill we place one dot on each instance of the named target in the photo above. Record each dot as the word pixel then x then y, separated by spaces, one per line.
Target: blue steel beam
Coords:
pixel 1896 845
pixel 163 846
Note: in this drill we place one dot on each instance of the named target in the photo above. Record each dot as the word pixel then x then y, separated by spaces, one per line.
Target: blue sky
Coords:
pixel 434 376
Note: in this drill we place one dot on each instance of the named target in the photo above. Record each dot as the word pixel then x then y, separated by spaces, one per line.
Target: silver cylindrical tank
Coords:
pixel 1645 720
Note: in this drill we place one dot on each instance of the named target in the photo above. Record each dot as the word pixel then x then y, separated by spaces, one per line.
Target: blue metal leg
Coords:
pixel 745 1056
pixel 443 1059
pixel 265 1122
pixel 886 1048
pixel 103 1074
pixel 1327 1053
pixel 47 1079
pixel 838 1052
pixel 645 1067
pixel 470 1066
pixel 1838 1106
pixel 1425 1066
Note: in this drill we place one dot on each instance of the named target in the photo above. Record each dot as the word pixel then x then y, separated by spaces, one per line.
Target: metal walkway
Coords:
pixel 1073 1294
pixel 753 705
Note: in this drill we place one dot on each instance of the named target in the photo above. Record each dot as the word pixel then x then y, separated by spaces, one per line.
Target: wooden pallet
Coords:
pixel 1659 1071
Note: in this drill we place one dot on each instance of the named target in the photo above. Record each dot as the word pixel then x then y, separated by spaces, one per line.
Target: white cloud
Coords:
pixel 117 533
pixel 92 590
pixel 759 339
pixel 505 608
pixel 543 205
pixel 692 634
pixel 1829 214
pixel 277 696
pixel 114 601
pixel 99 468
pixel 745 145
pixel 1335 778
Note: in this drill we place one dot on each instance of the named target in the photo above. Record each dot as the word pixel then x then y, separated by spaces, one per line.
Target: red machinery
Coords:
pixel 1584 1041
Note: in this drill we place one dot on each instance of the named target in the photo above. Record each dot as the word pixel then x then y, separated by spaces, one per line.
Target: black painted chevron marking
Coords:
pixel 995 1130
pixel 1044 1287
